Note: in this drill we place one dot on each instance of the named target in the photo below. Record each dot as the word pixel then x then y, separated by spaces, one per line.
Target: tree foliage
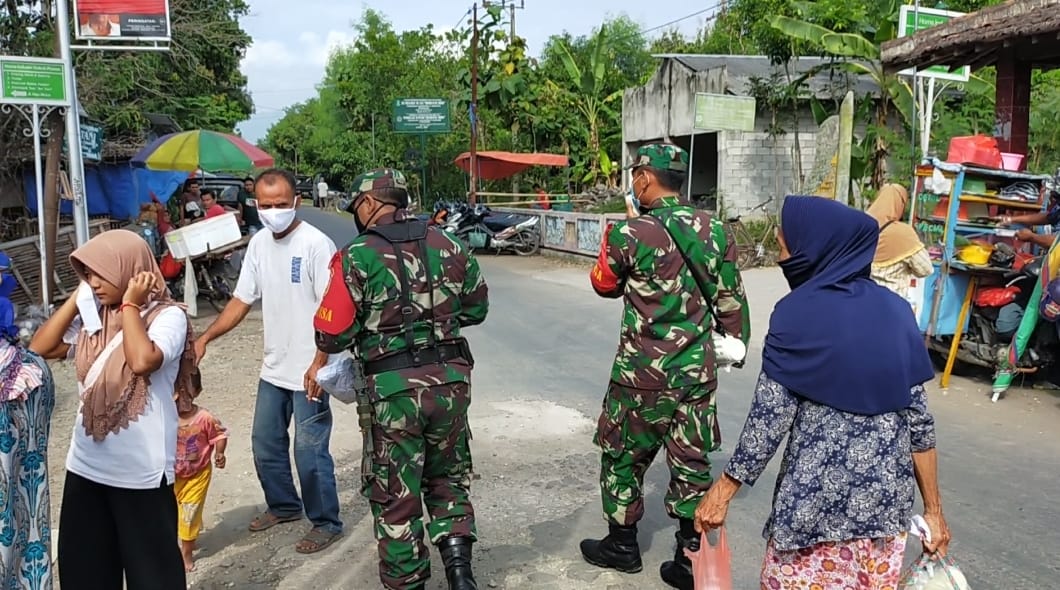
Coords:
pixel 197 82
pixel 567 98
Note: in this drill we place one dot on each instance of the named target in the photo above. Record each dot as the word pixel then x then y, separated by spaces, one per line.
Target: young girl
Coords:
pixel 199 434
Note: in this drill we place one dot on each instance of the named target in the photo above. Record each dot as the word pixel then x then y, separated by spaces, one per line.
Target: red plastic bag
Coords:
pixel 996 296
pixel 975 149
pixel 712 565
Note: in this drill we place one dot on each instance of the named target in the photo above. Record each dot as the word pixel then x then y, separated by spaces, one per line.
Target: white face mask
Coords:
pixel 277 220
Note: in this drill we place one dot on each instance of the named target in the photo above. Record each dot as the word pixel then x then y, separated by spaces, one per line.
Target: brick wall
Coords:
pixel 754 166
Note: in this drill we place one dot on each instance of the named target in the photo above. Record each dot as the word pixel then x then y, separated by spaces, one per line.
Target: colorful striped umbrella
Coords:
pixel 189 151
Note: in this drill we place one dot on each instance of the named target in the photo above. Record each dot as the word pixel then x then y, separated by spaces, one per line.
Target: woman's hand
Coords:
pixel 219 460
pixel 712 509
pixel 711 512
pixel 140 289
pixel 940 535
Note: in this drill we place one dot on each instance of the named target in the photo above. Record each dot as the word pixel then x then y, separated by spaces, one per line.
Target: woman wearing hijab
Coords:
pixel 27 397
pixel 848 394
pixel 900 255
pixel 132 349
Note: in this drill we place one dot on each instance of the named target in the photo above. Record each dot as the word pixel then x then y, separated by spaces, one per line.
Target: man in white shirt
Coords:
pixel 286 267
pixel 322 192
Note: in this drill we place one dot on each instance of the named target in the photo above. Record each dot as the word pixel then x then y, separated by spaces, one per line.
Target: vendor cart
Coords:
pixel 969 213
pixel 213 276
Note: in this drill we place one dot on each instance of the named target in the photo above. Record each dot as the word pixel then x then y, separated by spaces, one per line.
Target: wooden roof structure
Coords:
pixel 1029 29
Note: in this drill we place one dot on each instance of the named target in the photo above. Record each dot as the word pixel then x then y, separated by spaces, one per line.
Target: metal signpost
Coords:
pixel 910 20
pixel 422 116
pixel 34 87
pixel 719 112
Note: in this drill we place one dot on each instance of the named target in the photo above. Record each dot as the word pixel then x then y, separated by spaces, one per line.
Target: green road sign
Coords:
pixel 421 115
pixel 32 80
pixel 911 20
pixel 722 112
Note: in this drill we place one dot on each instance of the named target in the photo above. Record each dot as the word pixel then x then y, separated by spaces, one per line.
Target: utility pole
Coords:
pixel 472 161
pixel 75 161
pixel 512 7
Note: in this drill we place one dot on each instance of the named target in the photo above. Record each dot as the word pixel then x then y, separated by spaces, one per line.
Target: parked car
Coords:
pixel 226 187
pixel 306 186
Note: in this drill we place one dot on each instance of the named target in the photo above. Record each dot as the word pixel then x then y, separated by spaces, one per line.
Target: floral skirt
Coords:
pixel 25 525
pixel 860 564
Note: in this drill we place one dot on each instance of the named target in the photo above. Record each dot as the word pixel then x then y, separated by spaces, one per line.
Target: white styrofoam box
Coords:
pixel 201 236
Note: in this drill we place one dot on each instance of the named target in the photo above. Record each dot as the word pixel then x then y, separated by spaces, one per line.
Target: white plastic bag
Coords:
pixel 728 350
pixel 927 573
pixel 342 379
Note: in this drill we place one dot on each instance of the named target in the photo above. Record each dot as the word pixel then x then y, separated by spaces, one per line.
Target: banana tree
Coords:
pixel 584 89
pixel 860 56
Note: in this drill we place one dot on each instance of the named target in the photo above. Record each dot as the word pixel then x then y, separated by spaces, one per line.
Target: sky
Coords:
pixel 293 39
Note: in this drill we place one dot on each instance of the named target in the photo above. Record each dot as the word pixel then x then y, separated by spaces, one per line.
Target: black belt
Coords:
pixel 407 359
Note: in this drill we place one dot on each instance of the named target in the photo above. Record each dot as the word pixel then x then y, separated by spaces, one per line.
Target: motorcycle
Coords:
pixel 215 276
pixel 984 345
pixel 479 228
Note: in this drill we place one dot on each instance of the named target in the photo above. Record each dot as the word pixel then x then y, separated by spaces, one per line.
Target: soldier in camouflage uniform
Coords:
pixel 664 375
pixel 399 295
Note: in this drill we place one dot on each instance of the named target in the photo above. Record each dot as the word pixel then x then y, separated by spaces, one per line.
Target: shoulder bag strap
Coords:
pixel 697 273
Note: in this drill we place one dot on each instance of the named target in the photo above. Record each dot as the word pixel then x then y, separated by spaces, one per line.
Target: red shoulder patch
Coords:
pixel 602 277
pixel 337 309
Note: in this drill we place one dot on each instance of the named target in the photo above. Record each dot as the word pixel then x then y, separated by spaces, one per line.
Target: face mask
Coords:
pixel 632 199
pixel 277 220
pixel 361 225
pixel 796 270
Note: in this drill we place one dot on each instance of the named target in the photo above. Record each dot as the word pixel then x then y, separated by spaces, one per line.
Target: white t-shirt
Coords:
pixel 289 276
pixel 136 457
pixel 322 189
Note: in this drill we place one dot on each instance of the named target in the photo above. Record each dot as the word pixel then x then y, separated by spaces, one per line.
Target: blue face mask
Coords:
pixel 632 199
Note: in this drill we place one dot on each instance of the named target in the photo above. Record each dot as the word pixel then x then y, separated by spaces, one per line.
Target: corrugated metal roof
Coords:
pixel 741 69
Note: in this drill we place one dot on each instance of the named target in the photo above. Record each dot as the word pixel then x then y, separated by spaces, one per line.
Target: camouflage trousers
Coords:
pixel 633 426
pixel 419 455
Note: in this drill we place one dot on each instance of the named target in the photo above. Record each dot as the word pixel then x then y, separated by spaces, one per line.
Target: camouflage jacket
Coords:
pixel 666 341
pixel 361 309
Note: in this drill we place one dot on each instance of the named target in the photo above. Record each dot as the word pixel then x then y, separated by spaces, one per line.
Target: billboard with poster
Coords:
pixel 122 20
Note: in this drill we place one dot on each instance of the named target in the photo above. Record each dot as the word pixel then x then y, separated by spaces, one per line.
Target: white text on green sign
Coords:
pixel 421 115
pixel 29 80
pixel 912 20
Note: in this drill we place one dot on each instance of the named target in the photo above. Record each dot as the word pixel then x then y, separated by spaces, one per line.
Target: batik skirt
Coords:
pixel 25 503
pixel 860 564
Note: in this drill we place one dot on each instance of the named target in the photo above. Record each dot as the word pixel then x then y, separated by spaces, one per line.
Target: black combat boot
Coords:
pixel 456 555
pixel 678 573
pixel 618 550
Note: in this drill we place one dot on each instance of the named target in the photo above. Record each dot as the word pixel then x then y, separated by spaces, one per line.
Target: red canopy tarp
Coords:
pixel 499 165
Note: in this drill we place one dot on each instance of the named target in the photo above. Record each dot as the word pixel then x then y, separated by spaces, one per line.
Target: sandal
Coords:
pixel 266 520
pixel 316 540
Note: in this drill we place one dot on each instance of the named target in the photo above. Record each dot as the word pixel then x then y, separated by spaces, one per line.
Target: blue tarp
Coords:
pixel 116 190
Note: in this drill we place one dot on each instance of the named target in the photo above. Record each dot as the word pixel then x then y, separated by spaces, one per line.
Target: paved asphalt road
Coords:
pixel 542 364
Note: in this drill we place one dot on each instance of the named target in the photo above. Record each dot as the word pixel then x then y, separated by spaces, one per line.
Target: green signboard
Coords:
pixel 911 20
pixel 32 80
pixel 722 112
pixel 421 115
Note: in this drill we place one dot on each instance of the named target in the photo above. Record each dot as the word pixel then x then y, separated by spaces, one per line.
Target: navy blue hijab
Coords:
pixel 838 338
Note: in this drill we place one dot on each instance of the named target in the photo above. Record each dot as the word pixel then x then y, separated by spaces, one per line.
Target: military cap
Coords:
pixel 380 178
pixel 662 156
pixel 377 179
